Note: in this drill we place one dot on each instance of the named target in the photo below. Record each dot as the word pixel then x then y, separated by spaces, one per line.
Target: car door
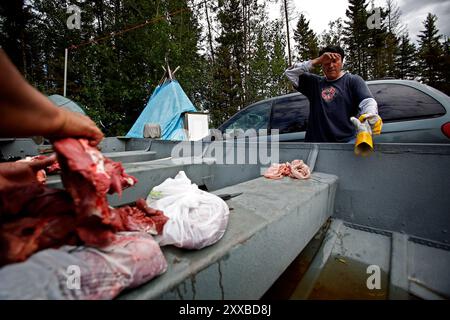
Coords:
pixel 409 114
pixel 290 117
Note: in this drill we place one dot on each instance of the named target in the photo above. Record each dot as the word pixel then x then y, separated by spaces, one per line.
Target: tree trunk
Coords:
pixel 209 34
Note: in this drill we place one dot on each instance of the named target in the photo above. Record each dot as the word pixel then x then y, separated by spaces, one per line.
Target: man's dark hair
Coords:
pixel 334 49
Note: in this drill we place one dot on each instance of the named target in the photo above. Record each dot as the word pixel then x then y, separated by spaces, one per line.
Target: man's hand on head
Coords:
pixel 326 58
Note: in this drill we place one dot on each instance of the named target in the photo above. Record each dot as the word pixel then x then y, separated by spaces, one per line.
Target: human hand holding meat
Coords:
pixel 24 111
pixel 32 216
pixel 76 125
pixel 22 172
pixel 42 217
pixel 19 181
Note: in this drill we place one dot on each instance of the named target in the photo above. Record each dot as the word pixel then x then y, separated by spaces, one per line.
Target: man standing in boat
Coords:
pixel 335 99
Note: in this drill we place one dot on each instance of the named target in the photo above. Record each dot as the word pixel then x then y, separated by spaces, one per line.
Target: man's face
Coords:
pixel 333 67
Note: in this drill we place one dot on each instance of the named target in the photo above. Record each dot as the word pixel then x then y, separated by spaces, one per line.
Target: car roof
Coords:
pixel 436 94
pixel 411 83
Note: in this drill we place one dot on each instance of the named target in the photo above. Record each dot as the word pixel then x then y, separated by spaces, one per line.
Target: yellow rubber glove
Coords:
pixel 374 120
pixel 364 143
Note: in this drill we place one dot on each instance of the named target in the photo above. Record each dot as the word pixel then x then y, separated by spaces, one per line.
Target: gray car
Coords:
pixel 412 112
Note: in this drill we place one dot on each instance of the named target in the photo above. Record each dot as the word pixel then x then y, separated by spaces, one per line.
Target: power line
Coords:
pixel 113 34
pixel 134 27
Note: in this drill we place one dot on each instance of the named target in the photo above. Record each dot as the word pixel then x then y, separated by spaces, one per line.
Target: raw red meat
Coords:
pixel 88 176
pixel 142 218
pixel 46 218
pixel 35 217
pixel 53 168
pixel 25 236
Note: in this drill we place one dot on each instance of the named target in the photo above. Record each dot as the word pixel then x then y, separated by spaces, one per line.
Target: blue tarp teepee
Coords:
pixel 164 107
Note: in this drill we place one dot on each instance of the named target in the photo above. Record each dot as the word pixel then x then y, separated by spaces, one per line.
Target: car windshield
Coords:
pixel 254 117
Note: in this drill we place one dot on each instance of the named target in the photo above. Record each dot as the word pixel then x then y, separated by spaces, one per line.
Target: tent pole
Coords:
pixel 170 72
pixel 176 69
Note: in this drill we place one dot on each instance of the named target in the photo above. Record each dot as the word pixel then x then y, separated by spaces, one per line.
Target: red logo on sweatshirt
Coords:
pixel 328 94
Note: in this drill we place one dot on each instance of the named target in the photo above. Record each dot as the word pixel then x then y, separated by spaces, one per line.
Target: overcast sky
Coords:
pixel 414 12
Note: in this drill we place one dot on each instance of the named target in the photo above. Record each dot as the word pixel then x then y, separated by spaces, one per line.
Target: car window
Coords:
pixel 290 114
pixel 254 117
pixel 398 102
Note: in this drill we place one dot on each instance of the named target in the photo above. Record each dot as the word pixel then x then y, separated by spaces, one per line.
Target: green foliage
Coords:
pixel 259 71
pixel 356 38
pixel 430 51
pixel 228 90
pixel 380 47
pixel 306 43
pixel 113 77
pixel 334 35
pixel 405 61
pixel 235 59
pixel 278 82
pixel 445 83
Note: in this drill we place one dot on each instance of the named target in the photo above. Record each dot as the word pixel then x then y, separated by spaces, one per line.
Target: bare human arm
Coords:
pixel 293 73
pixel 326 58
pixel 24 111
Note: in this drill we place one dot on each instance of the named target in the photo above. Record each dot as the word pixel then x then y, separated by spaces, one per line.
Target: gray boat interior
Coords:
pixel 390 210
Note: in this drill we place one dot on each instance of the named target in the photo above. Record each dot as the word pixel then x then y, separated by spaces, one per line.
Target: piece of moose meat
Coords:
pixel 89 177
pixel 45 219
pixel 142 218
pixel 35 217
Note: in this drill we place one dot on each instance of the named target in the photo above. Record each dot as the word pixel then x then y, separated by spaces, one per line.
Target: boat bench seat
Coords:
pixel 269 225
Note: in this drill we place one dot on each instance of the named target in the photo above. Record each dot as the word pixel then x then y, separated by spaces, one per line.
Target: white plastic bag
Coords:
pixel 196 218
